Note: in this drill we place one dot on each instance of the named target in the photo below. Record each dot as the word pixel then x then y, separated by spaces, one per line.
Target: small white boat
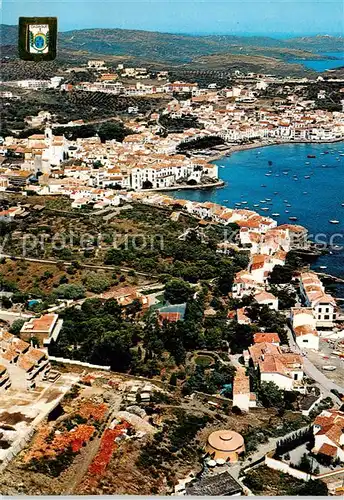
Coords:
pixel 322 267
pixel 307 176
pixel 275 215
pixel 286 211
pixel 226 201
pixel 292 218
pixel 286 172
pixel 288 205
pixel 265 208
pixel 329 368
pixel 256 205
pixel 267 175
pixel 334 221
pixel 238 204
pixel 268 199
pixel 305 192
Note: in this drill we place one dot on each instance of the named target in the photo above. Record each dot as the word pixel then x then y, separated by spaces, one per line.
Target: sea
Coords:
pixel 324 64
pixel 283 179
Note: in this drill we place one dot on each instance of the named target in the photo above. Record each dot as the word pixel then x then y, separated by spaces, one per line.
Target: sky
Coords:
pixel 273 18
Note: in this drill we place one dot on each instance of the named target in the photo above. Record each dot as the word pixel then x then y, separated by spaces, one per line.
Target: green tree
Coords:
pixel 177 291
pixel 270 395
pixel 97 282
pixel 17 326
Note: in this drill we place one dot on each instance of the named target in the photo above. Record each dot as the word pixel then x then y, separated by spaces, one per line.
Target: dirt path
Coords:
pixel 80 468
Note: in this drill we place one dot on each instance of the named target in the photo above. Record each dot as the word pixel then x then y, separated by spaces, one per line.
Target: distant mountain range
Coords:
pixel 181 50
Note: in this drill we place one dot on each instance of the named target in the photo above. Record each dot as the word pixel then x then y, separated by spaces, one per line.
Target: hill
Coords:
pixel 159 50
pixel 178 49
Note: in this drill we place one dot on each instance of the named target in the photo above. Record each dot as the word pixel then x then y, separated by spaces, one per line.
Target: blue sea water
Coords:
pixel 321 65
pixel 314 201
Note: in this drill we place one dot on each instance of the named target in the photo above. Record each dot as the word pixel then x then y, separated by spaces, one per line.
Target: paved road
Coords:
pixel 10 317
pixel 312 371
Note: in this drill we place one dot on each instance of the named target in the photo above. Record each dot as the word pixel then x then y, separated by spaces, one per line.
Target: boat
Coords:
pixel 307 176
pixel 265 208
pixel 268 199
pixel 329 368
pixel 292 218
pixel 238 204
pixel 275 192
pixel 285 172
pixel 222 166
pixel 263 186
pixel 342 204
pixel 226 201
pixel 286 211
pixel 341 154
pixel 288 205
pixel 267 175
pixel 256 205
pixel 244 202
pixel 262 201
pixel 285 201
pixel 277 175
pixel 305 192
pixel 322 267
pixel 311 156
pixel 275 215
pixel 334 221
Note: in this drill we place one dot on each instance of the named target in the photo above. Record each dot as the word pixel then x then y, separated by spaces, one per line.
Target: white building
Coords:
pixel 329 435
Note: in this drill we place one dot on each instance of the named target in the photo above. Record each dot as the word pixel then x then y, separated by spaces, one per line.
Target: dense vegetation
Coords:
pixel 193 258
pixel 201 143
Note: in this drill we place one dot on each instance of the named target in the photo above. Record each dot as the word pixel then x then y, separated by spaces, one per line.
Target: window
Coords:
pixel 305 341
pixel 327 316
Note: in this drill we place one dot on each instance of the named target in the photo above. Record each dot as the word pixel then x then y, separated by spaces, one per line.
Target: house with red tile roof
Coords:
pixel 242 396
pixel 328 429
pixel 314 295
pixel 285 369
pixel 242 318
pixel 267 299
pixel 271 338
pixel 22 367
pixel 44 329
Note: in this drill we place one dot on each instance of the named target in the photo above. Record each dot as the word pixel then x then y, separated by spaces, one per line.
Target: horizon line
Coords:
pixel 205 33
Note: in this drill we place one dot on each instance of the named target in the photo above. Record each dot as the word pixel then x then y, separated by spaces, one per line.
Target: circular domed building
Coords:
pixel 225 445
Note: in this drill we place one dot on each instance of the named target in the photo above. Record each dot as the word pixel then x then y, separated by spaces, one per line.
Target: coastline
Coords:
pixel 184 187
pixel 262 144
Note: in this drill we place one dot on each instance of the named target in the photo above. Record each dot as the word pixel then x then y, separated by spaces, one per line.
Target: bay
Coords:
pixel 324 64
pixel 313 187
